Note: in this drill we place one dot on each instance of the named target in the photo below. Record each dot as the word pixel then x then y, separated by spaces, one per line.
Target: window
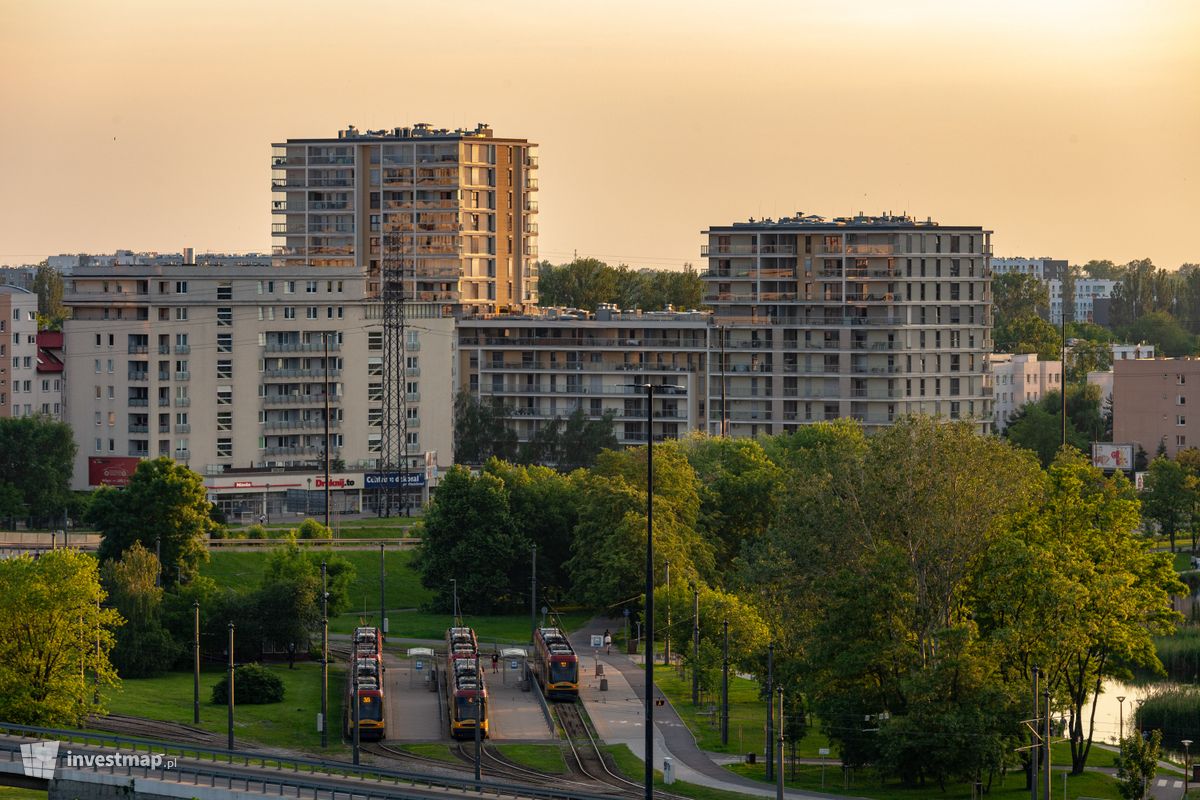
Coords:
pixel 110 365
pixel 180 314
pixel 374 340
pixel 112 418
pixel 181 287
pixel 224 342
pixel 224 448
pixel 1180 420
pixel 99 418
pixel 310 287
pixel 99 445
pixel 97 363
pixel 224 420
pixel 1181 441
pixel 97 340
pixel 289 287
pixel 224 395
pixel 1179 379
pixel 181 418
pixel 224 317
pixel 225 291
pixel 311 312
pixel 1181 400
pixel 225 368
pixel 289 312
pixel 97 392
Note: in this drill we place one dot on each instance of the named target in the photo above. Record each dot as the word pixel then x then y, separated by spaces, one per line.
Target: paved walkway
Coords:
pixel 619 715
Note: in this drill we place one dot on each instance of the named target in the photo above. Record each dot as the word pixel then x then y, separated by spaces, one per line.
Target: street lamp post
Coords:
pixel 725 689
pixel 325 657
pixel 1187 745
pixel 649 773
pixel 533 597
pixel 230 693
pixel 770 706
pixel 696 646
pixel 478 717
pixel 382 611
pixel 196 665
pixel 1121 723
pixel 667 633
pixel 779 766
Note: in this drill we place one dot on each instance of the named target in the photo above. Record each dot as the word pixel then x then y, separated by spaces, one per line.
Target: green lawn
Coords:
pixel 542 757
pixel 747 716
pixel 865 784
pixel 291 723
pixel 441 752
pixel 13 793
pixel 402 585
pixel 1060 755
pixel 634 768
pixel 409 624
pixel 1183 562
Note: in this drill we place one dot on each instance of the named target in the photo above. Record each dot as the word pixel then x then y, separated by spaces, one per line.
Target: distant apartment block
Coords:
pixel 871 318
pixel 1103 379
pixel 1157 401
pixel 453 211
pixel 1044 269
pixel 224 368
pixel 1087 292
pixel 553 363
pixel 1018 380
pixel 18 352
pixel 48 386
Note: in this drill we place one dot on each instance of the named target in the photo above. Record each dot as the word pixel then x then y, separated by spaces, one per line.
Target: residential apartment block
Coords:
pixel 1157 402
pixel 541 366
pixel 18 352
pixel 224 368
pixel 871 318
pixel 1044 269
pixel 1087 292
pixel 1018 380
pixel 453 211
pixel 48 387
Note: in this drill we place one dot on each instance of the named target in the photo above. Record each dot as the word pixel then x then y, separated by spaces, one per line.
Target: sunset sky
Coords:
pixel 1071 128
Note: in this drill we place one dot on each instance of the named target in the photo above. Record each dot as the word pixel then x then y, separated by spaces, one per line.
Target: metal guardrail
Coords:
pixel 404 543
pixel 537 691
pixel 236 773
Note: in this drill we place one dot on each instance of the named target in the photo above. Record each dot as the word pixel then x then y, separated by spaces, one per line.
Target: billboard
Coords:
pixel 1106 455
pixel 111 470
pixel 375 480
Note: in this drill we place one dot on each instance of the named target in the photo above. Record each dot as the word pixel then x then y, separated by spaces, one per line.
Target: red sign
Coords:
pixel 242 484
pixel 111 471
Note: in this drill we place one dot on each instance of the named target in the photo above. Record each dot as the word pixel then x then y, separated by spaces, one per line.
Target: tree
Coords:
pixel 1170 497
pixel 1028 333
pixel 289 599
pixel 36 455
pixel 481 431
pixel 48 284
pixel 165 503
pixel 53 633
pixel 584 283
pixel 1164 332
pixel 1137 764
pixel 545 501
pixel 1086 356
pixel 1034 428
pixel 1104 270
pixel 143 646
pixel 1018 295
pixel 571 443
pixel 470 536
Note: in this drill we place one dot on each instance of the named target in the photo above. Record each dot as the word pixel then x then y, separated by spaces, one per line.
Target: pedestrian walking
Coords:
pixel 607 642
pixel 495 662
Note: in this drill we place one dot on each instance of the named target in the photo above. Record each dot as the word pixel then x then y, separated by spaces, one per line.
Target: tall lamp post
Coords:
pixel 649 775
pixel 1187 745
pixel 1121 723
pixel 325 657
pixel 230 692
pixel 696 645
pixel 667 633
pixel 770 707
pixel 779 766
pixel 196 665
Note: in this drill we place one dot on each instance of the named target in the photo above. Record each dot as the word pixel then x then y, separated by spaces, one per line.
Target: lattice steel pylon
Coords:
pixel 396 269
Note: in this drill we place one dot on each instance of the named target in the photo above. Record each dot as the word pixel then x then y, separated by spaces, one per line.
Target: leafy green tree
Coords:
pixel 1137 765
pixel 571 443
pixel 12 505
pixel 55 638
pixel 583 283
pixel 48 284
pixel 1018 295
pixel 36 455
pixel 471 537
pixel 164 501
pixel 143 646
pixel 739 491
pixel 1086 356
pixel 289 599
pixel 481 431
pixel 608 552
pixel 1164 332
pixel 311 529
pixel 1170 497
pixel 545 502
pixel 1034 428
pixel 1028 333
pixel 1104 270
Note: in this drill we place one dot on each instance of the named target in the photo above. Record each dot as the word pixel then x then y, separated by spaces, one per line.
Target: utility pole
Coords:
pixel 230 694
pixel 649 766
pixel 1063 378
pixel 696 645
pixel 196 665
pixel 667 633
pixel 770 706
pixel 478 717
pixel 1034 750
pixel 724 407
pixel 779 771
pixel 324 657
pixel 725 689
pixel 533 596
pixel 1046 743
pixel 382 611
pixel 325 339
pixel 356 702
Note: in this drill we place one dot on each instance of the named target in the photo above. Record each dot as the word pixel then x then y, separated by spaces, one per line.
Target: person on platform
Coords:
pixel 607 642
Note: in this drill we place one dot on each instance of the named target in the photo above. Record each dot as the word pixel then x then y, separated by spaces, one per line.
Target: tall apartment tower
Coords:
pixel 455 210
pixel 864 317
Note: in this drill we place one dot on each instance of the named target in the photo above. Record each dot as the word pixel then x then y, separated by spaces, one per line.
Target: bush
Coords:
pixel 1175 711
pixel 256 531
pixel 311 529
pixel 254 684
pixel 1180 654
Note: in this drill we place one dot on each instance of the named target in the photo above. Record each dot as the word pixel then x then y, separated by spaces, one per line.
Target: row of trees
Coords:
pixel 483 430
pixel 920 572
pixel 587 282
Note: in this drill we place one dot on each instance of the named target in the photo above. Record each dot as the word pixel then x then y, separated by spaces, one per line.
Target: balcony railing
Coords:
pixel 183 455
pixel 139 402
pixel 139 428
pixel 139 376
pixel 301 347
pixel 183 349
pixel 184 428
pixel 138 348
pixel 747 250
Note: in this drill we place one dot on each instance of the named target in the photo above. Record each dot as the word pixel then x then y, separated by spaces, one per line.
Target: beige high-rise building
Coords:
pixel 865 317
pixel 18 352
pixel 453 210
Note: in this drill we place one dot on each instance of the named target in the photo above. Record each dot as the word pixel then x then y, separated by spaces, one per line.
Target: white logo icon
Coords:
pixel 39 759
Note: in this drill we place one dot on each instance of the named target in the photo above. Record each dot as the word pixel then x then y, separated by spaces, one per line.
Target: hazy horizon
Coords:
pixel 1070 129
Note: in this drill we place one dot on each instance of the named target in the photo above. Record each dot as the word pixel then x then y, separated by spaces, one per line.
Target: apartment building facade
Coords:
pixel 454 212
pixel 48 387
pixel 18 352
pixel 224 368
pixel 1155 403
pixel 1018 380
pixel 1081 307
pixel 871 318
pixel 1044 269
pixel 547 365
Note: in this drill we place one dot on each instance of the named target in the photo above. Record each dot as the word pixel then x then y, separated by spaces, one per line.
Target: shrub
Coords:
pixel 1175 711
pixel 311 529
pixel 1180 654
pixel 254 684
pixel 256 531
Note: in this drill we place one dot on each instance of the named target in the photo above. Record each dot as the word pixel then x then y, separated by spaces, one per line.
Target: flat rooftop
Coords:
pixel 419 130
pixel 801 221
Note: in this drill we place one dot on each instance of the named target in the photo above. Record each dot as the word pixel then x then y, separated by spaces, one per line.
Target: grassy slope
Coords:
pixel 291 723
pixel 544 757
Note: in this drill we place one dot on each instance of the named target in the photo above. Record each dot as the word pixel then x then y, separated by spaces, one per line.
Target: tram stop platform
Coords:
pixel 414 713
pixel 514 711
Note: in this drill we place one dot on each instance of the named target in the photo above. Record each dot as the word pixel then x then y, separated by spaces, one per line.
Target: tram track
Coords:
pixel 591 758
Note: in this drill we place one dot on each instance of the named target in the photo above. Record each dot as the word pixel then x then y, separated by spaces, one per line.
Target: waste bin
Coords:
pixel 604 684
pixel 751 758
pixel 668 771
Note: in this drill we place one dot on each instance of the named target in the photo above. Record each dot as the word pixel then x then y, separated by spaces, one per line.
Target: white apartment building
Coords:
pixel 1124 352
pixel 1087 291
pixel 224 369
pixel 547 365
pixel 872 318
pixel 18 352
pixel 1018 380
pixel 1041 268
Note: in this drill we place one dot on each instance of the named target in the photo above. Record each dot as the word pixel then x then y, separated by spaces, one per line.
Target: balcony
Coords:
pixel 138 349
pixel 183 428
pixel 183 376
pixel 139 376
pixel 301 347
pixel 870 249
pixel 347 160
pixel 531 206
pixel 164 376
pixel 180 402
pixel 164 402
pixel 331 205
pixel 183 455
pixel 182 349
pixel 139 402
pixel 164 428
pixel 164 349
pixel 301 373
pixel 298 399
pixel 280 184
pixel 287 161
pixel 299 424
pixel 139 428
pixel 531 162
pixel 747 250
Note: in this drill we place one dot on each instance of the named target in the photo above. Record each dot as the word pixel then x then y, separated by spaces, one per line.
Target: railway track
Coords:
pixel 156 729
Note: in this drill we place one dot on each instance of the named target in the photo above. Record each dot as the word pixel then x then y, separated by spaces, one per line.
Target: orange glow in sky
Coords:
pixel 1070 128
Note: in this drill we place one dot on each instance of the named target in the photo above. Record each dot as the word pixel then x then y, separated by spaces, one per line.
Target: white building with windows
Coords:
pixel 1020 379
pixel 18 352
pixel 1087 291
